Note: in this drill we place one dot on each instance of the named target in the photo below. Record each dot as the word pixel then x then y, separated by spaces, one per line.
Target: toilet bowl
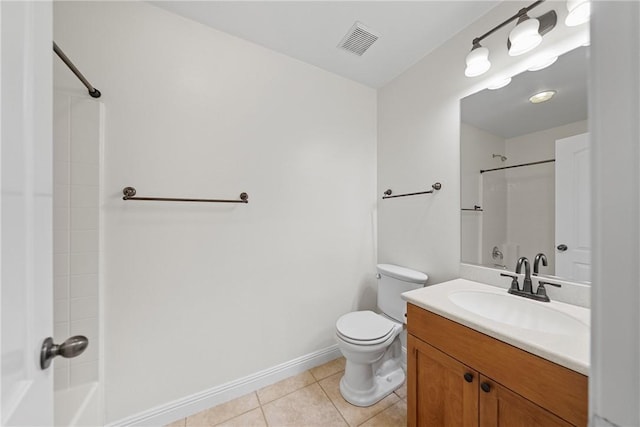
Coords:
pixel 370 342
pixel 371 346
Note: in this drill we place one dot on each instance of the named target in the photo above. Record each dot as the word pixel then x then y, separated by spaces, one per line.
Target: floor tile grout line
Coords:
pixel 381 411
pixel 333 404
pixel 284 395
pixel 264 416
pixel 293 391
pixel 324 378
pixel 400 399
pixel 315 381
pixel 331 361
pixel 235 416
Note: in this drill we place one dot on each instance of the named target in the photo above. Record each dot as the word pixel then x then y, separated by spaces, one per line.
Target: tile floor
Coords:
pixel 308 399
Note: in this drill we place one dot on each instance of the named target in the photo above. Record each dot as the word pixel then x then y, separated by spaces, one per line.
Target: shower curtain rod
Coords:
pixel 95 93
pixel 518 166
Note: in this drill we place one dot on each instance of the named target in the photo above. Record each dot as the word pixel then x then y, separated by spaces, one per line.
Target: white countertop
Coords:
pixel 569 351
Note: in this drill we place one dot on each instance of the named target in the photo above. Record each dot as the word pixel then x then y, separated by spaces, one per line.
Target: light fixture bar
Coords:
pixel 520 13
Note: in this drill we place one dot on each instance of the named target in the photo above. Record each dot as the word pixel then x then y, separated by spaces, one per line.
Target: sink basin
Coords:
pixel 519 312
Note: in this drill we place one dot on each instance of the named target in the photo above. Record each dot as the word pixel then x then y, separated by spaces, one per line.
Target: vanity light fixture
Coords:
pixel 544 62
pixel 525 36
pixel 579 12
pixel 542 96
pixel 499 84
pixel 477 61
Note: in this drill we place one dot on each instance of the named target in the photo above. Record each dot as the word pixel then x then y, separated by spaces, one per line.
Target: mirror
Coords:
pixel 525 172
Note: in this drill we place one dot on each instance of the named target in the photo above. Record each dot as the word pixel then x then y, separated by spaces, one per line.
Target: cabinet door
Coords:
pixel 442 392
pixel 500 407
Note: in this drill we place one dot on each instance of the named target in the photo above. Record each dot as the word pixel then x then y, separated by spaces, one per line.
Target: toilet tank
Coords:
pixel 393 280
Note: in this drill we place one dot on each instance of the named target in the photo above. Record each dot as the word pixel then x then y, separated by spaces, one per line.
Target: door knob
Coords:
pixel 486 387
pixel 72 347
pixel 562 247
pixel 468 377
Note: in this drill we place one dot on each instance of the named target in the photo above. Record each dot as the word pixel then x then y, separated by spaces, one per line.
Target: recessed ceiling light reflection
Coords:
pixel 542 96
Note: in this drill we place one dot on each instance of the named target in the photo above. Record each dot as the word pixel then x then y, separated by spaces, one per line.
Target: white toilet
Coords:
pixel 371 342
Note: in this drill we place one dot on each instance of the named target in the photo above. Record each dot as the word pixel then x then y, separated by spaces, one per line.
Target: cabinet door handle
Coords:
pixel 468 377
pixel 486 387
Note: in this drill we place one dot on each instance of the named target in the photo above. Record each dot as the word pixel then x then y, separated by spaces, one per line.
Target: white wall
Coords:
pixel 418 141
pixel 614 386
pixel 200 294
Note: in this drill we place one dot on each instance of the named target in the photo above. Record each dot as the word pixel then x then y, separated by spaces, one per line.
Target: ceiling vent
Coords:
pixel 358 39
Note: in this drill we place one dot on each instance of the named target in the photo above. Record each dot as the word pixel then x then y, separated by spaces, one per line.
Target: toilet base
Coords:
pixel 384 385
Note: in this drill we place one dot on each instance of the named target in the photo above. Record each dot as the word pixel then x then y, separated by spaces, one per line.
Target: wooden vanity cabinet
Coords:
pixel 460 377
pixel 499 406
pixel 439 393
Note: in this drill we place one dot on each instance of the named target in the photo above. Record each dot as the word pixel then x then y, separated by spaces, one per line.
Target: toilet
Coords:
pixel 370 342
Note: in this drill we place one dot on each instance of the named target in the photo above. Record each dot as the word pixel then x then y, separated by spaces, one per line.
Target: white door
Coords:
pixel 573 208
pixel 25 211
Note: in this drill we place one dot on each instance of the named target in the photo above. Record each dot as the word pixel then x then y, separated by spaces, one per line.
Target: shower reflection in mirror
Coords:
pixel 526 164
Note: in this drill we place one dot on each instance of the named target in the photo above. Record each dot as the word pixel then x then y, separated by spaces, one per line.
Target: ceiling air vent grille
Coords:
pixel 358 39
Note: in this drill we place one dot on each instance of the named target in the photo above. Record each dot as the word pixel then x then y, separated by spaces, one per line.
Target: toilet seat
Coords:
pixel 365 328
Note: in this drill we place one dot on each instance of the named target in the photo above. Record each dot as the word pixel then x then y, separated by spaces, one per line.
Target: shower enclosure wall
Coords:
pixel 76 237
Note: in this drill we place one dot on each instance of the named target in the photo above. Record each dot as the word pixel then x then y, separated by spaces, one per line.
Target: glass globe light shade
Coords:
pixel 477 62
pixel 524 37
pixel 579 12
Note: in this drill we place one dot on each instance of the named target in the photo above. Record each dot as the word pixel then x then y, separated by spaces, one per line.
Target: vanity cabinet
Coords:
pixel 438 393
pixel 460 377
pixel 499 406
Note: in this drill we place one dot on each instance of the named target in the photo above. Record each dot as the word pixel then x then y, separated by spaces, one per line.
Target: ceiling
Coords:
pixel 311 30
pixel 507 112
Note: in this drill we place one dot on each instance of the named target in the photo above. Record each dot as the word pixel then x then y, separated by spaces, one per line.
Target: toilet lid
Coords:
pixel 364 326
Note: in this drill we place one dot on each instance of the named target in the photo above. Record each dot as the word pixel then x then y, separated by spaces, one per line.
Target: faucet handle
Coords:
pixel 542 283
pixel 542 291
pixel 514 283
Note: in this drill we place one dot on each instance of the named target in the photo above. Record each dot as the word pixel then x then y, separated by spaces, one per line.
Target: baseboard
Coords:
pixel 172 411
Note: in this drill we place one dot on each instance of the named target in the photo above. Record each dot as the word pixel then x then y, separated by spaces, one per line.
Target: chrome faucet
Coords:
pixel 527 285
pixel 536 263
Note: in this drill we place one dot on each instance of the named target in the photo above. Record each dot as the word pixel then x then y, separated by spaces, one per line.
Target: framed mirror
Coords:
pixel 524 165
